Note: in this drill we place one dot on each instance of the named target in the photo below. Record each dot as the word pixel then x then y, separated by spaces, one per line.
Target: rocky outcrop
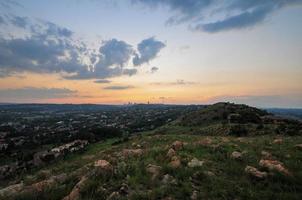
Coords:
pixel 274 165
pixel 255 173
pixel 71 147
pixel 75 192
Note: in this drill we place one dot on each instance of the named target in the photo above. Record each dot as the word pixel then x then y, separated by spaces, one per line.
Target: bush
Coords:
pixel 237 130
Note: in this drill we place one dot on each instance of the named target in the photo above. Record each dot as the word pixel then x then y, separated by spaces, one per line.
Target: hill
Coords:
pixel 180 160
pixel 237 119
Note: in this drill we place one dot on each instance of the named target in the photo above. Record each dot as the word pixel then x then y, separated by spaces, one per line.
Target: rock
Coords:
pixel 103 164
pixel 7 171
pixel 278 141
pixel 124 189
pixel 71 147
pixel 195 163
pixel 194 195
pixel 114 196
pixel 274 165
pixel 45 184
pixel 266 154
pixel 11 190
pixel 204 142
pixel 254 172
pixel 132 153
pixel 171 153
pixel 177 145
pixel 168 179
pixel 43 157
pixel 154 170
pixel 236 155
pixel 175 162
pixel 75 192
pixel 209 173
pixel 299 146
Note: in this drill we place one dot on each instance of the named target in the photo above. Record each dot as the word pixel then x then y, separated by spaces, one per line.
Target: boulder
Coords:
pixel 195 163
pixel 236 155
pixel 299 146
pixel 274 165
pixel 127 153
pixel 103 164
pixel 175 162
pixel 43 157
pixel 171 153
pixel 277 141
pixel 255 173
pixel 266 154
pixel 114 196
pixel 177 145
pixel 124 189
pixel 204 142
pixel 168 179
pixel 154 170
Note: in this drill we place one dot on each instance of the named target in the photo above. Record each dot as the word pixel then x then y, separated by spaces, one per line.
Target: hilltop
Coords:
pixel 184 159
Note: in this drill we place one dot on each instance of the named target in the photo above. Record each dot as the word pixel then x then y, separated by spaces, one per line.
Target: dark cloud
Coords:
pixel 177 82
pixel 147 50
pixel 18 21
pixel 214 15
pixel 36 93
pixel 49 48
pixel 101 81
pixel 154 69
pixel 118 87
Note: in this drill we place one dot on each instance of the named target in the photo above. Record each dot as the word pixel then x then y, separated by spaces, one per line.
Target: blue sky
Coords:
pixel 200 51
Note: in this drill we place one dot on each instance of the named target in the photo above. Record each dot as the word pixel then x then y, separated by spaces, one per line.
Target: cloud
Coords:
pixel 147 50
pixel 36 93
pixel 177 82
pixel 154 69
pixel 117 87
pixel 102 81
pixel 48 48
pixel 214 16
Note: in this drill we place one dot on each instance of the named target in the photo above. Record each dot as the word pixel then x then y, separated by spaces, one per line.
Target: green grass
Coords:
pixel 229 181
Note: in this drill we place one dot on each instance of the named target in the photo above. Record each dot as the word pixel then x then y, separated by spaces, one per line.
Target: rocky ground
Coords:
pixel 171 166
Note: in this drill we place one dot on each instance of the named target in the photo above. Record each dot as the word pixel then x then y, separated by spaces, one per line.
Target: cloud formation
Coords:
pixel 36 93
pixel 119 87
pixel 147 50
pixel 154 69
pixel 48 48
pixel 177 82
pixel 215 16
pixel 101 81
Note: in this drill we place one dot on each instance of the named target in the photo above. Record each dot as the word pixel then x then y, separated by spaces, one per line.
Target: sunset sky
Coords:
pixel 161 51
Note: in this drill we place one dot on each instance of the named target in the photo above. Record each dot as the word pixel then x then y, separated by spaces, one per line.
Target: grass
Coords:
pixel 229 181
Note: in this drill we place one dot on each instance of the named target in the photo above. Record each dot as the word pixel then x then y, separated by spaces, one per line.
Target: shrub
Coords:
pixel 237 130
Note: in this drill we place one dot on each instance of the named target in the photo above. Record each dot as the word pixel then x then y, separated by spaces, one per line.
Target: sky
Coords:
pixel 157 51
